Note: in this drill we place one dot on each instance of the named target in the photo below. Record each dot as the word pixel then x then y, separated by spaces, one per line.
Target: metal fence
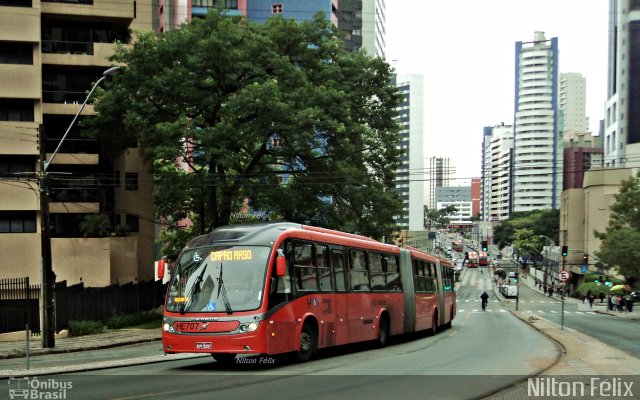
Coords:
pixel 19 305
pixel 19 302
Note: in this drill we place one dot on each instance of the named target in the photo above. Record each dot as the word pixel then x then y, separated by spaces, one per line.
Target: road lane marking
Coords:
pixel 453 333
pixel 146 395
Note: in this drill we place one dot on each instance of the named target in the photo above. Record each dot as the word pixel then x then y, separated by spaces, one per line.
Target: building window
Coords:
pixel 133 224
pixel 16 53
pixel 16 110
pixel 131 181
pixel 17 221
pixel 11 165
pixel 276 8
pixel 16 3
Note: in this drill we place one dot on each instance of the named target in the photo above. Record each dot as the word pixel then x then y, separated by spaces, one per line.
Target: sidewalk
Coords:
pixel 120 337
pixel 598 307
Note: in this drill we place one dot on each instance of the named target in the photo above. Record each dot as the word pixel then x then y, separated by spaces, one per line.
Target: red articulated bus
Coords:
pixel 457 246
pixel 483 259
pixel 473 259
pixel 271 288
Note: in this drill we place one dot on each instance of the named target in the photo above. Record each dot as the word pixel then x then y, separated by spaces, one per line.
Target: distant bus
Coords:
pixel 483 259
pixel 273 288
pixel 456 245
pixel 473 259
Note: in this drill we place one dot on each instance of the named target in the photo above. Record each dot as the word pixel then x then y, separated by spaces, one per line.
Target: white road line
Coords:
pixel 579 312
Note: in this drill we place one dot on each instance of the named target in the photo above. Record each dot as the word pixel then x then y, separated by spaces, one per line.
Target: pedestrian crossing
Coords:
pixel 541 312
pixel 510 301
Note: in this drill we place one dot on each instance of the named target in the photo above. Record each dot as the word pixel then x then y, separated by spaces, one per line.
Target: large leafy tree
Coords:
pixel 539 222
pixel 621 241
pixel 434 218
pixel 279 113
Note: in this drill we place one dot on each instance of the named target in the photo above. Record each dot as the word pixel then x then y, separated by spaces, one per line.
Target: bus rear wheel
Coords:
pixel 224 358
pixel 307 343
pixel 383 332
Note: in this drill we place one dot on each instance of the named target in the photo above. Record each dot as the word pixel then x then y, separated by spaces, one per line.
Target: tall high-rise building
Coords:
pixel 51 53
pixel 410 174
pixel 572 105
pixel 373 27
pixel 362 21
pixel 537 155
pixel 496 172
pixel 622 114
pixel 438 173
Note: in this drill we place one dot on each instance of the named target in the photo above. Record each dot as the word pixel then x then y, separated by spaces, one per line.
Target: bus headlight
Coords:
pixel 250 327
pixel 165 327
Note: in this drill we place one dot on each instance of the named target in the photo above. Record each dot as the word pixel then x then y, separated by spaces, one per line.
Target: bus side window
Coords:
pixel 305 273
pixel 324 272
pixel 358 271
pixel 378 279
pixel 393 274
pixel 337 258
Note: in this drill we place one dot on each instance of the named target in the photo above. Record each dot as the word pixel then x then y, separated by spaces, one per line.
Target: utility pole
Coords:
pixel 48 277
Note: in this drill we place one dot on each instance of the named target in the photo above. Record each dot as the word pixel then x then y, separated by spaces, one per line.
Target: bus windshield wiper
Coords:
pixel 195 289
pixel 221 288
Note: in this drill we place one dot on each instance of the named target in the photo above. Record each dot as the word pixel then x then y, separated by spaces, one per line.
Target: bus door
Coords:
pixel 440 291
pixel 338 265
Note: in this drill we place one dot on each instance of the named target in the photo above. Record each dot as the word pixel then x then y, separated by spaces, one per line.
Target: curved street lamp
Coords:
pixel 48 277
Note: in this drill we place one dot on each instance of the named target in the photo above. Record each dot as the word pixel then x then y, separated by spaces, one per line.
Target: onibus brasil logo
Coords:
pixel 33 388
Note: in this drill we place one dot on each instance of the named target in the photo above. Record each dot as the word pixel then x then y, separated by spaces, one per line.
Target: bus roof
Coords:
pixel 263 233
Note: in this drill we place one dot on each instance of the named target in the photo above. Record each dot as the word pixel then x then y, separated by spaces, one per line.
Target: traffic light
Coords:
pixel 515 278
pixel 565 250
pixel 484 245
pixel 597 280
pixel 585 260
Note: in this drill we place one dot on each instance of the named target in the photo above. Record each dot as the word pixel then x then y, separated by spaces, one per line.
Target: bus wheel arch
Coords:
pixel 434 323
pixel 307 340
pixel 384 329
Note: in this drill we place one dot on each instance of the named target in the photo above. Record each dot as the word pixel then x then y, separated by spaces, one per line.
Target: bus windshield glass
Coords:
pixel 218 279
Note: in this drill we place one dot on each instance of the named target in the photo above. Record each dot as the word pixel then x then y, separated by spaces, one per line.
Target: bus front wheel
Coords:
pixel 307 343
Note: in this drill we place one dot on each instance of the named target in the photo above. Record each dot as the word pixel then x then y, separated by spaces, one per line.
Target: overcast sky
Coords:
pixel 465 49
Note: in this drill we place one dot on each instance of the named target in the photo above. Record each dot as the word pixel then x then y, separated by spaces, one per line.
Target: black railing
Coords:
pixel 63 96
pixel 19 302
pixel 66 47
pixel 70 1
pixel 18 305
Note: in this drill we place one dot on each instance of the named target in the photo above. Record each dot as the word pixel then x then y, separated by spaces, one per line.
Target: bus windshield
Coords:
pixel 218 279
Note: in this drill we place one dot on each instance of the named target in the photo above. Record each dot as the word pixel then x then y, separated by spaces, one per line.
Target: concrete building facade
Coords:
pixel 622 112
pixel 409 177
pixel 537 144
pixel 51 53
pixel 496 172
pixel 438 173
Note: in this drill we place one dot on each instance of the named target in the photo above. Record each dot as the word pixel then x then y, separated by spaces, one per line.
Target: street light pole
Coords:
pixel 48 276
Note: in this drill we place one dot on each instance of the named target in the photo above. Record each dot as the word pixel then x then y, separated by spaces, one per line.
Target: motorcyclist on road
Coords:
pixel 485 298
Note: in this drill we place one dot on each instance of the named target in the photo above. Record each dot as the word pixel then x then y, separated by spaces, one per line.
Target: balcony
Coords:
pixel 20 80
pixel 99 9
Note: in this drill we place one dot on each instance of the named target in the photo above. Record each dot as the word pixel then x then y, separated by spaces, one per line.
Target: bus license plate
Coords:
pixel 204 345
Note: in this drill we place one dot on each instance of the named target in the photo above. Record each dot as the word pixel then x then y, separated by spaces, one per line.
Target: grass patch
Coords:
pixel 151 319
pixel 80 328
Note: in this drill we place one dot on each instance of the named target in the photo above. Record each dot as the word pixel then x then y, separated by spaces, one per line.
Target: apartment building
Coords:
pixel 51 54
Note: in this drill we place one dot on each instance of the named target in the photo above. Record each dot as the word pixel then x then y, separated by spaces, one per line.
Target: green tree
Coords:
pixel 435 218
pixel 95 225
pixel 279 113
pixel 540 222
pixel 526 243
pixel 621 240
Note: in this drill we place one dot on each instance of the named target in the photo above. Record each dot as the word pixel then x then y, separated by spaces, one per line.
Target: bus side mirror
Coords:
pixel 281 266
pixel 161 266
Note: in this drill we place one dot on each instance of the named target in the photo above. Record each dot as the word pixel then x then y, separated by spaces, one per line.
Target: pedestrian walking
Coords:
pixel 591 300
pixel 601 297
pixel 630 303
pixel 616 302
pixel 609 303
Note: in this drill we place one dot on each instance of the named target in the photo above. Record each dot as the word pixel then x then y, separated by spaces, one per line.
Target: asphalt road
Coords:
pixel 482 353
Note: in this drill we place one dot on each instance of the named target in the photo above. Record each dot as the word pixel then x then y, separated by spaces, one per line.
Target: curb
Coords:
pixel 42 352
